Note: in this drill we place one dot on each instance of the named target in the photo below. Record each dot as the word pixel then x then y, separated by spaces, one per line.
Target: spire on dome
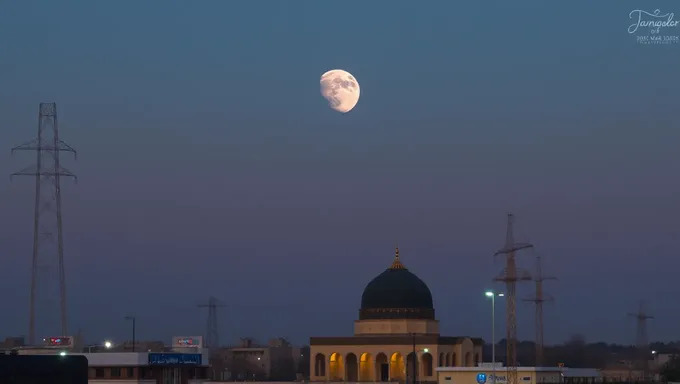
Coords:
pixel 396 264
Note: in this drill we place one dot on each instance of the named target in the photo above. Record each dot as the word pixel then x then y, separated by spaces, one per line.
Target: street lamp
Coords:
pixel 134 323
pixel 493 295
pixel 107 344
pixel 415 358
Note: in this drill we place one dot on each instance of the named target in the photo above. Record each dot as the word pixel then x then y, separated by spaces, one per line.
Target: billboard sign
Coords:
pixel 187 342
pixel 59 342
pixel 175 359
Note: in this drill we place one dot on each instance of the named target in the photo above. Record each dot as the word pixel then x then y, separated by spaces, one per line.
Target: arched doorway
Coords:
pixel 336 368
pixel 382 368
pixel 410 358
pixel 478 358
pixel 320 365
pixel 397 367
pixel 448 360
pixel 351 368
pixel 427 365
pixel 442 359
pixel 366 367
pixel 468 359
pixel 454 360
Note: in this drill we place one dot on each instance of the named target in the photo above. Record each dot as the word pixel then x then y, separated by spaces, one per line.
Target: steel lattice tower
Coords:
pixel 641 340
pixel 47 222
pixel 212 337
pixel 510 276
pixel 538 300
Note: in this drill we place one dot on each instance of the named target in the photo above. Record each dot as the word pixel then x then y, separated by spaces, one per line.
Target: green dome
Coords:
pixel 396 294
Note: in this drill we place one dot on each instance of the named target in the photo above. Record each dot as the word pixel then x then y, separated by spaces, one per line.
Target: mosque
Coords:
pixel 396 326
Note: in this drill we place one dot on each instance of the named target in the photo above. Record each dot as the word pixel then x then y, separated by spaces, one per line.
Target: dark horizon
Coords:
pixel 210 164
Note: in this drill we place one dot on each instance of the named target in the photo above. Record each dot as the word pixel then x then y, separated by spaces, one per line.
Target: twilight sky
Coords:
pixel 210 164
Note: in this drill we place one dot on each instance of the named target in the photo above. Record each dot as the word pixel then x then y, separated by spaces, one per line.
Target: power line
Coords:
pixel 511 276
pixel 47 220
pixel 539 298
pixel 212 337
pixel 641 340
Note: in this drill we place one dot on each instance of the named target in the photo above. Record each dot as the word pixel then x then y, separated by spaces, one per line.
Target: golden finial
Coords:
pixel 396 264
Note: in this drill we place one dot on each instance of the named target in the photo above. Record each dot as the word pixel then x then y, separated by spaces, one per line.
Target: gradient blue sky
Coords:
pixel 210 164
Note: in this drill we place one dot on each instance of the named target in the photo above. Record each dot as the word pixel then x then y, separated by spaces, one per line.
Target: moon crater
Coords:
pixel 340 89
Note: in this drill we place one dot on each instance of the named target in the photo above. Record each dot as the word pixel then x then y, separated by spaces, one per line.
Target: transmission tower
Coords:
pixel 641 340
pixel 47 224
pixel 538 300
pixel 212 337
pixel 511 276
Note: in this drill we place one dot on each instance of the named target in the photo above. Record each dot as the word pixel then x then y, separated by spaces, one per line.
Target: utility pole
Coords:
pixel 510 276
pixel 538 300
pixel 212 338
pixel 47 219
pixel 641 340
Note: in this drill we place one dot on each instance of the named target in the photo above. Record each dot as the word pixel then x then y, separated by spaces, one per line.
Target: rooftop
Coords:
pixel 569 372
pixel 116 359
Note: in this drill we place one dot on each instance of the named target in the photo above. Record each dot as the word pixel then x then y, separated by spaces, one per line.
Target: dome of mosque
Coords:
pixel 396 294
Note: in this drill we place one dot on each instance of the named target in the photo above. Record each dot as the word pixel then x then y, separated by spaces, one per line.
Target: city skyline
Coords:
pixel 209 164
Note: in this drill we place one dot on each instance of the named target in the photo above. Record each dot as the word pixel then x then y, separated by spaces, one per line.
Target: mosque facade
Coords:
pixel 396 327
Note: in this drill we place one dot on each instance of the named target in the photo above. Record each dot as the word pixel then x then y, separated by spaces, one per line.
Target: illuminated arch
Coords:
pixel 336 368
pixel 397 367
pixel 366 367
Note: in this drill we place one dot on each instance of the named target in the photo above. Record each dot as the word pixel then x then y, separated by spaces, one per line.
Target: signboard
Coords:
pixel 59 341
pixel 187 342
pixel 481 378
pixel 175 359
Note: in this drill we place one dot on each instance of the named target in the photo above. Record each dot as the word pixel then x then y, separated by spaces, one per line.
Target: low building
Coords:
pixel 139 367
pixel 484 374
pixel 276 360
pixel 148 367
pixel 186 363
pixel 622 372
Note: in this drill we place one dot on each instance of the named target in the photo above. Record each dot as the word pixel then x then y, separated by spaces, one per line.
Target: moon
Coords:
pixel 340 89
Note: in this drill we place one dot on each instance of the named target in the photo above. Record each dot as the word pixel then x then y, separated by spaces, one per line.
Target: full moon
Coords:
pixel 341 90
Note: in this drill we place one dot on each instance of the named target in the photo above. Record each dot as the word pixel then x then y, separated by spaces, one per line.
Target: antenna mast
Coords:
pixel 47 222
pixel 510 276
pixel 538 301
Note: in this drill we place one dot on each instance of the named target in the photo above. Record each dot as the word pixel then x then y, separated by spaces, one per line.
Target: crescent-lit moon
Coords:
pixel 341 89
